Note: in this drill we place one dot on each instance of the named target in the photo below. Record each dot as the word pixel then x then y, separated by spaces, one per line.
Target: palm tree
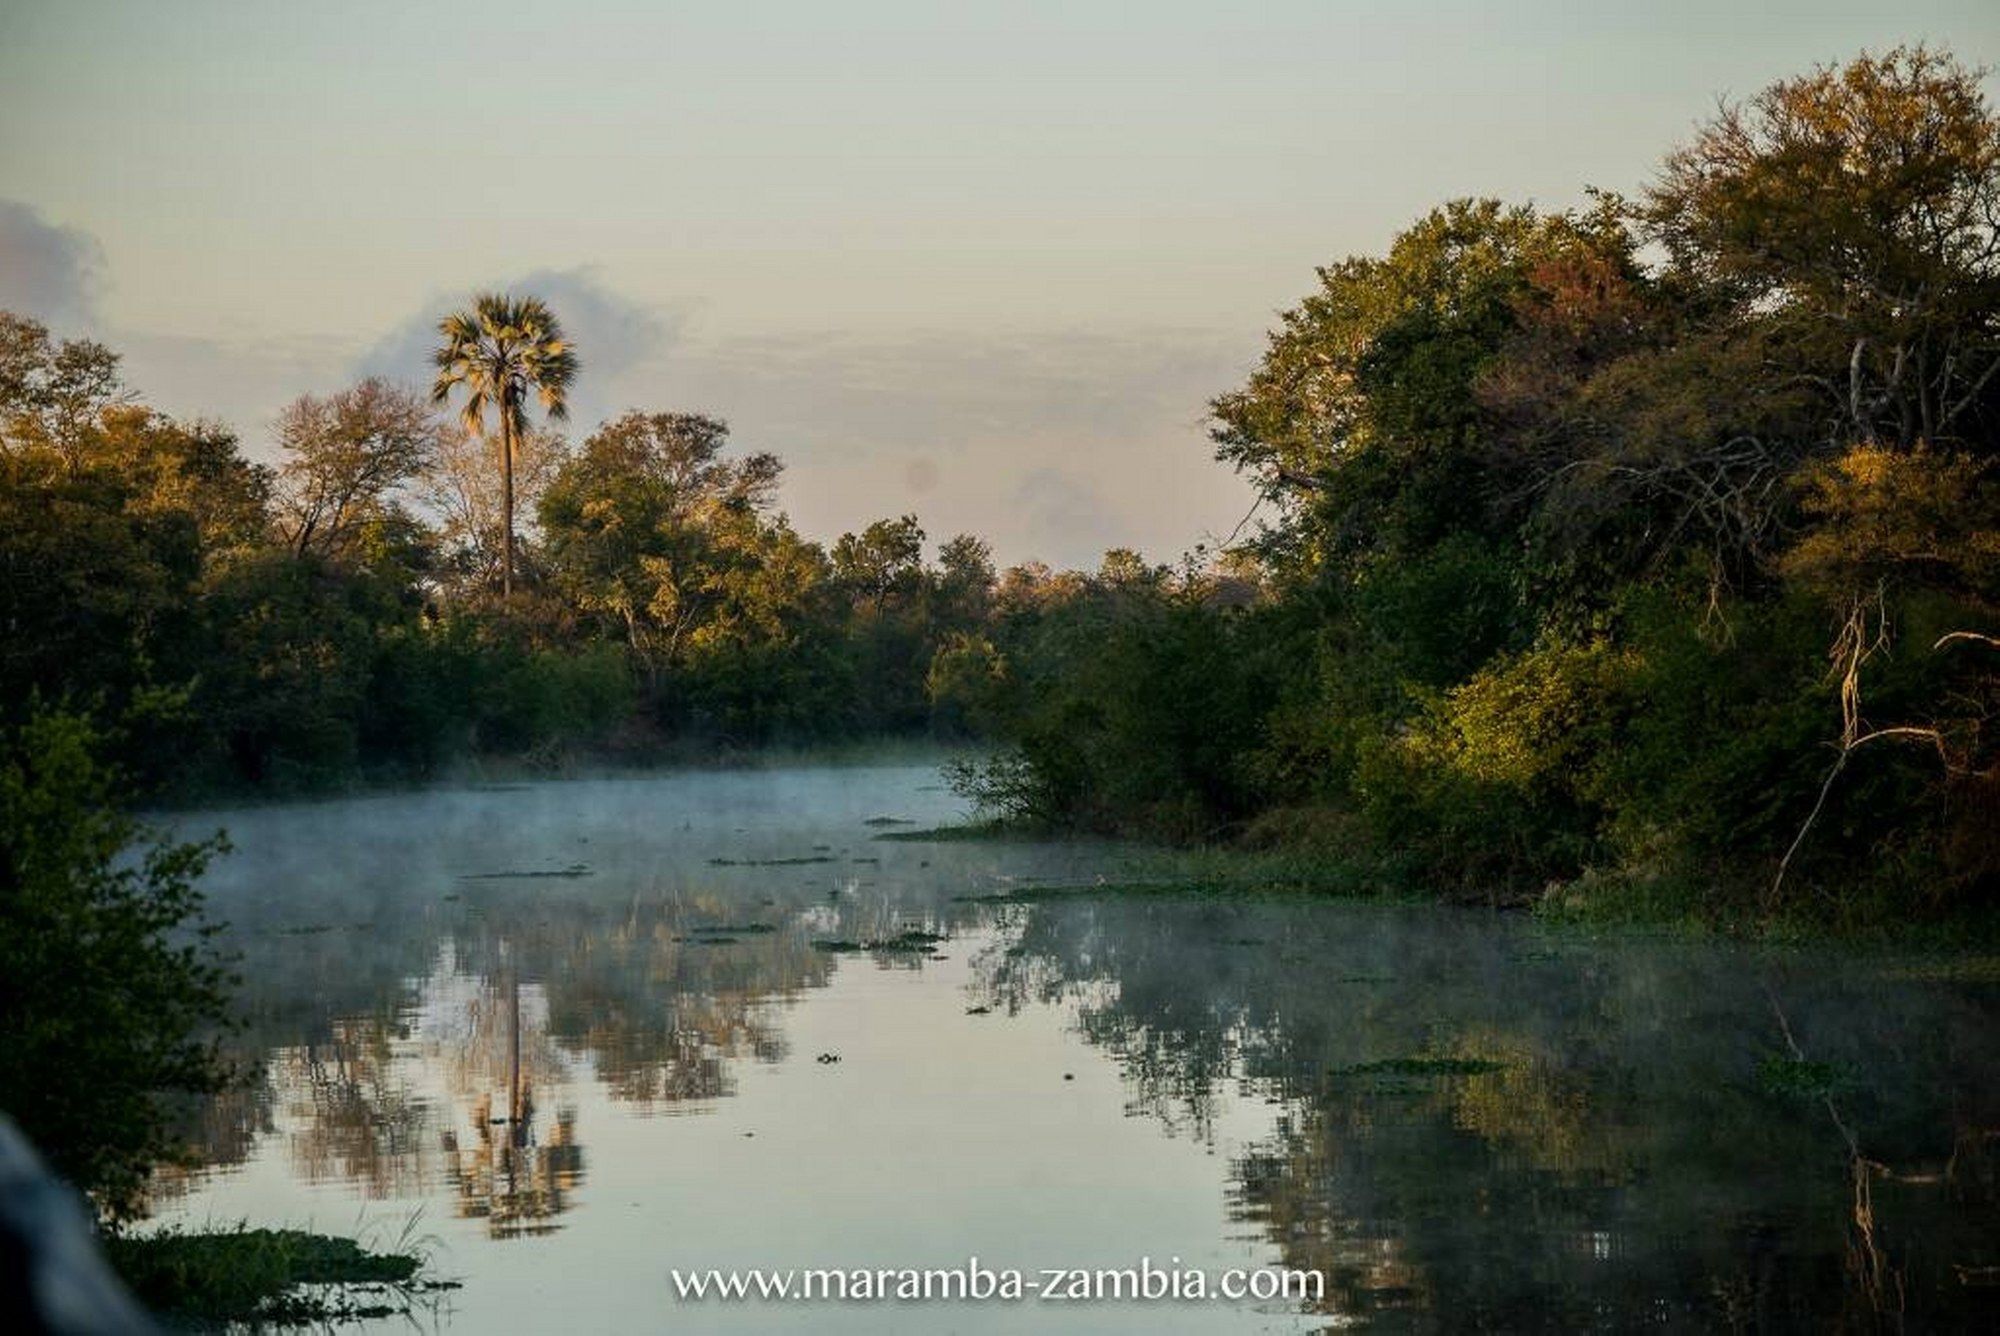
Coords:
pixel 501 350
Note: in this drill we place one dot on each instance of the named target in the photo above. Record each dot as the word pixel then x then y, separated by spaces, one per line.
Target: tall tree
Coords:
pixel 501 351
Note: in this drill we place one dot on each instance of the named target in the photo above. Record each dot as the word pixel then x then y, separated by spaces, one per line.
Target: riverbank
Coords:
pixel 1673 903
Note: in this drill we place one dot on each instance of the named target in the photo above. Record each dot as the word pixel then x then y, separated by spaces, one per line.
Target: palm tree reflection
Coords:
pixel 503 1167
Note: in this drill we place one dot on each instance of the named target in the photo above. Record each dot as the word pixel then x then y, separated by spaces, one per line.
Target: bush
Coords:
pixel 107 986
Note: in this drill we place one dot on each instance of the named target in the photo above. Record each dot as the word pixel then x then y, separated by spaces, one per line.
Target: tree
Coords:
pixel 652 527
pixel 51 393
pixel 348 454
pixel 103 1003
pixel 500 352
pixel 1363 418
pixel 188 474
pixel 965 582
pixel 1856 207
pixel 883 560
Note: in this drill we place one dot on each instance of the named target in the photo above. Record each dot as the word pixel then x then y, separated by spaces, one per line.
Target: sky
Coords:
pixel 982 262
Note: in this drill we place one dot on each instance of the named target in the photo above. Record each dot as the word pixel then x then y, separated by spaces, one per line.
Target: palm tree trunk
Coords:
pixel 506 506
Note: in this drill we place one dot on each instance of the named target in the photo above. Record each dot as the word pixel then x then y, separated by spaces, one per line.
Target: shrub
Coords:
pixel 107 985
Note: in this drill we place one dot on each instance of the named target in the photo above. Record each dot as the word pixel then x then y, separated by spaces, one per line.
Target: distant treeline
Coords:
pixel 1649 545
pixel 338 615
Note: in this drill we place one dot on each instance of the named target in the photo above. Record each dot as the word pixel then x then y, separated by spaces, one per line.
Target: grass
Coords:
pixel 1316 853
pixel 1695 906
pixel 278 1277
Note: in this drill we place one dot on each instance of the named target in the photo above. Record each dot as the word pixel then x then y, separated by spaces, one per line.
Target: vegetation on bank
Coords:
pixel 110 994
pixel 112 1002
pixel 1635 560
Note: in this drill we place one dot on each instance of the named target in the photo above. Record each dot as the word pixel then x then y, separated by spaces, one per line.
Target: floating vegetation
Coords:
pixel 522 874
pixel 915 941
pixel 1420 1067
pixel 772 862
pixel 971 830
pixel 1802 1078
pixel 722 934
pixel 888 821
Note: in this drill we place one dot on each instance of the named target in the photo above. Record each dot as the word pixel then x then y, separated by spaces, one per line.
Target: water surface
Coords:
pixel 753 1034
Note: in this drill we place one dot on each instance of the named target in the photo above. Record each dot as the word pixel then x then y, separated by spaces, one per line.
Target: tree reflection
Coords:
pixel 446 1074
pixel 1489 1128
pixel 355 1118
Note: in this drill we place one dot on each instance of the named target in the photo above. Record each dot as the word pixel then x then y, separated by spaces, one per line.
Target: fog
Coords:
pixel 763 1019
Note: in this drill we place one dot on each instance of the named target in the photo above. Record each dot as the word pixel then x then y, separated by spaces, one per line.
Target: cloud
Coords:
pixel 615 338
pixel 47 271
pixel 53 274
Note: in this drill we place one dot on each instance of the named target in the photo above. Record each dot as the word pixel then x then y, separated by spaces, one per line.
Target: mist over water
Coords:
pixel 753 1034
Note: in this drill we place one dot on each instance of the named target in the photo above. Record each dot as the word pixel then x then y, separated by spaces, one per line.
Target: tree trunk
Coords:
pixel 506 505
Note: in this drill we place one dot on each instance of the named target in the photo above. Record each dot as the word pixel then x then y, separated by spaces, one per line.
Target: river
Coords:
pixel 754 1033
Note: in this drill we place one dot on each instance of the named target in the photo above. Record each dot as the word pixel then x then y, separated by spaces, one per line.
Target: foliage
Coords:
pixel 1650 543
pixel 348 454
pixel 107 987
